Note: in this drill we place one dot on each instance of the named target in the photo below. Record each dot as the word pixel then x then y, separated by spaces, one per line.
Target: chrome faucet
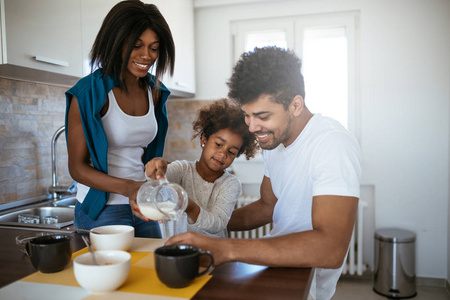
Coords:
pixel 55 189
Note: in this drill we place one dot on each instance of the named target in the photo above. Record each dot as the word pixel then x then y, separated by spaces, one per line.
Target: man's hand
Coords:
pixel 219 248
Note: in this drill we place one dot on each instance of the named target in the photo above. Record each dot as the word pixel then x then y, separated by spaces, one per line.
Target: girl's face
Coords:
pixel 144 54
pixel 220 150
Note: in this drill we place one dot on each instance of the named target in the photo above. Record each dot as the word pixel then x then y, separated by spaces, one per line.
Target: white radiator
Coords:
pixel 354 263
pixel 249 234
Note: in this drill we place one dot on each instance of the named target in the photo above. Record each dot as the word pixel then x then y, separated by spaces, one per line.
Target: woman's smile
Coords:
pixel 143 66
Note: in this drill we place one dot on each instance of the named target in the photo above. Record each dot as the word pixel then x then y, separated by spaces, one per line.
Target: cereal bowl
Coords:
pixel 112 237
pixel 111 272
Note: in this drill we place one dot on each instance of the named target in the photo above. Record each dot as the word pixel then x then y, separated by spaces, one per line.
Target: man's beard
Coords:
pixel 276 141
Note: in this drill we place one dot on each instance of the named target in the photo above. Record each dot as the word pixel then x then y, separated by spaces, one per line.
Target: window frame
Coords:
pixel 294 27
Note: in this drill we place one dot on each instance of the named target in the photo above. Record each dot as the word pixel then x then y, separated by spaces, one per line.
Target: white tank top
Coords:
pixel 127 137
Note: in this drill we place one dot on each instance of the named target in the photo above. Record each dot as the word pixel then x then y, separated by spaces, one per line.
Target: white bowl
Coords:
pixel 109 275
pixel 112 237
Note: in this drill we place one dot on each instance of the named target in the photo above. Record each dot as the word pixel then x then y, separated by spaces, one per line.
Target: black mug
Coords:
pixel 178 265
pixel 50 253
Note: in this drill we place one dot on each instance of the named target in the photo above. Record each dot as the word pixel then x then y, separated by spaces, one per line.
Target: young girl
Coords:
pixel 212 191
pixel 116 117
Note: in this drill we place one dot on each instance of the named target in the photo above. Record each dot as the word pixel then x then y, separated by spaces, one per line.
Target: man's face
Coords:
pixel 269 121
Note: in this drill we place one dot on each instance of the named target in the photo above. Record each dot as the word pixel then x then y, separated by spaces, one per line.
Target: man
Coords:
pixel 310 188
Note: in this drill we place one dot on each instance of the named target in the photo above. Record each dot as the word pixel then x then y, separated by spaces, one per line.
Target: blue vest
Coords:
pixel 91 92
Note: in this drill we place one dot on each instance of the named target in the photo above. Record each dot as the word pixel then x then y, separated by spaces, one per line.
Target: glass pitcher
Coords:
pixel 161 200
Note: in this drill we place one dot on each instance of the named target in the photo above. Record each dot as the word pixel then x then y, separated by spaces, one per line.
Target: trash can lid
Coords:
pixel 395 235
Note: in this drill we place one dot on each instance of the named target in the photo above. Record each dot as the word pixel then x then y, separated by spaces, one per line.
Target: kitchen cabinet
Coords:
pixel 93 12
pixel 50 40
pixel 40 35
pixel 179 14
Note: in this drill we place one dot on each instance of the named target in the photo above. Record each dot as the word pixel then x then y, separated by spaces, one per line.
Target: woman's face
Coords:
pixel 144 54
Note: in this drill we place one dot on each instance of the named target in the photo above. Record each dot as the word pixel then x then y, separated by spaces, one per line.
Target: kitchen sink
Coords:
pixel 67 202
pixel 62 209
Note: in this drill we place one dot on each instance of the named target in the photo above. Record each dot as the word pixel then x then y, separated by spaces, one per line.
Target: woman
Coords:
pixel 116 118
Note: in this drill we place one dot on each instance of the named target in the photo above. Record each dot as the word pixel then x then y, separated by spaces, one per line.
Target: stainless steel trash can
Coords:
pixel 395 274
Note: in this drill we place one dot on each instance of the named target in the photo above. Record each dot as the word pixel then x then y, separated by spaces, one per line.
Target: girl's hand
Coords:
pixel 156 168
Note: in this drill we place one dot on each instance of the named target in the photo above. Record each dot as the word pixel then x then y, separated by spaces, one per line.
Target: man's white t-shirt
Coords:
pixel 323 160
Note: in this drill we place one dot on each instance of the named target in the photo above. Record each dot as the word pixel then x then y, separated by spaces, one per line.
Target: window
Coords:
pixel 265 38
pixel 258 33
pixel 325 71
pixel 326 45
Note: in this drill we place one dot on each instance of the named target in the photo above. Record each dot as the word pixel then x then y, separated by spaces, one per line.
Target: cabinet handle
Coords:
pixel 51 61
pixel 181 84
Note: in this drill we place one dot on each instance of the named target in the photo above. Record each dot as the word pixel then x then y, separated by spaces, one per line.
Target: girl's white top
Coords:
pixel 215 199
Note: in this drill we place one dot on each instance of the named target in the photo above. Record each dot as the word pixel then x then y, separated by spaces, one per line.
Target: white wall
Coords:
pixel 404 104
pixel 448 224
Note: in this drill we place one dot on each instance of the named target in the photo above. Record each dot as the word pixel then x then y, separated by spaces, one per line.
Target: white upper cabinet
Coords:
pixel 50 40
pixel 179 14
pixel 41 35
pixel 93 12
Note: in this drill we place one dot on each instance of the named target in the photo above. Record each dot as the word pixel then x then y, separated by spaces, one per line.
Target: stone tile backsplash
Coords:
pixel 30 113
pixel 179 144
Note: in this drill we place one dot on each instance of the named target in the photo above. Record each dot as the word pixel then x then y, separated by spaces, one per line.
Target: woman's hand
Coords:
pixel 132 188
pixel 156 168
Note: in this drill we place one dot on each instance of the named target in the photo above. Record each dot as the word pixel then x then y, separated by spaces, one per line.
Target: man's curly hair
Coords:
pixel 267 71
pixel 224 114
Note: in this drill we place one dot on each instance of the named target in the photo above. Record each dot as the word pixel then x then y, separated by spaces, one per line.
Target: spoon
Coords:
pixel 87 231
pixel 88 244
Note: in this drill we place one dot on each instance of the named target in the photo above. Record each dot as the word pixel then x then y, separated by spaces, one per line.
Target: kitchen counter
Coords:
pixel 229 281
